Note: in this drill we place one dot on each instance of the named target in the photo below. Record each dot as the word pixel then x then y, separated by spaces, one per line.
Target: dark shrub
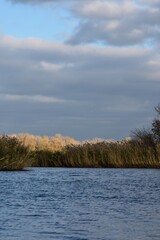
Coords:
pixel 13 154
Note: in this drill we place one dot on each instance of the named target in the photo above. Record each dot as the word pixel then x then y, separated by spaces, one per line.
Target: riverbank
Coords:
pixel 14 155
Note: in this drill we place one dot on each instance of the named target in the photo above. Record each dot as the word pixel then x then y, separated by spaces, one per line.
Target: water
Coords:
pixel 80 204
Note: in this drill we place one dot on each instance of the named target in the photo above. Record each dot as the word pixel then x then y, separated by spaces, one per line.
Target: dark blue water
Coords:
pixel 80 204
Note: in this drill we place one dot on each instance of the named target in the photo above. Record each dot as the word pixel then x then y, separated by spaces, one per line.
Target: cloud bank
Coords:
pixel 102 82
pixel 88 87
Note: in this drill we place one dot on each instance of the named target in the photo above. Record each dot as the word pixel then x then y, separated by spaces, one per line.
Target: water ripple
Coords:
pixel 80 204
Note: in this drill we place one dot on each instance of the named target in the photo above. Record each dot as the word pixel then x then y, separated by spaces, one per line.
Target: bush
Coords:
pixel 13 154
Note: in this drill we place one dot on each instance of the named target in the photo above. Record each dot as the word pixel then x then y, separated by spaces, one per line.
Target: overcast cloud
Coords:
pixel 78 87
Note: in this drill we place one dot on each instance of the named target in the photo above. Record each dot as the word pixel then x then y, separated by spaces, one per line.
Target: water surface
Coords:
pixel 80 204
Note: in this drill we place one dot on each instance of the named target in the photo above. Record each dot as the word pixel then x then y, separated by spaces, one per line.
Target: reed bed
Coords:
pixel 143 152
pixel 133 154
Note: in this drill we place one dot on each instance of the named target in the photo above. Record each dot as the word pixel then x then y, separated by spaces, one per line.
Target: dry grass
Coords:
pixel 133 154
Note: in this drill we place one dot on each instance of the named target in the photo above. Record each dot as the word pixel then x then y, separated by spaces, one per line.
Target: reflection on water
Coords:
pixel 80 204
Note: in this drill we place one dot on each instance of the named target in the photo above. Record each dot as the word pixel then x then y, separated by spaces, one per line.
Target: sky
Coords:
pixel 81 68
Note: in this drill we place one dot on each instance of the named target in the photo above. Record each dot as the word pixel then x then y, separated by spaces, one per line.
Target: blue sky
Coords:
pixel 84 68
pixel 37 21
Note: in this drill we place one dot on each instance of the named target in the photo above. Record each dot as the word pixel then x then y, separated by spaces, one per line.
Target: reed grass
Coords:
pixel 133 154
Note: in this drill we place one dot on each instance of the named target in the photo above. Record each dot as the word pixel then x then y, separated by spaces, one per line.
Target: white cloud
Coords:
pixel 30 98
pixel 13 44
pixel 116 22
pixel 105 9
pixel 50 67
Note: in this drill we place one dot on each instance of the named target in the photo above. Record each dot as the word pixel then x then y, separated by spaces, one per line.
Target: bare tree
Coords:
pixel 158 109
pixel 156 125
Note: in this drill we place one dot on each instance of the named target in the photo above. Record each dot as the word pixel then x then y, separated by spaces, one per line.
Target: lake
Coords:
pixel 80 204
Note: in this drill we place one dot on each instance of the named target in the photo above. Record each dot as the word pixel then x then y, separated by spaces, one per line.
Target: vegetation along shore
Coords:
pixel 142 150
